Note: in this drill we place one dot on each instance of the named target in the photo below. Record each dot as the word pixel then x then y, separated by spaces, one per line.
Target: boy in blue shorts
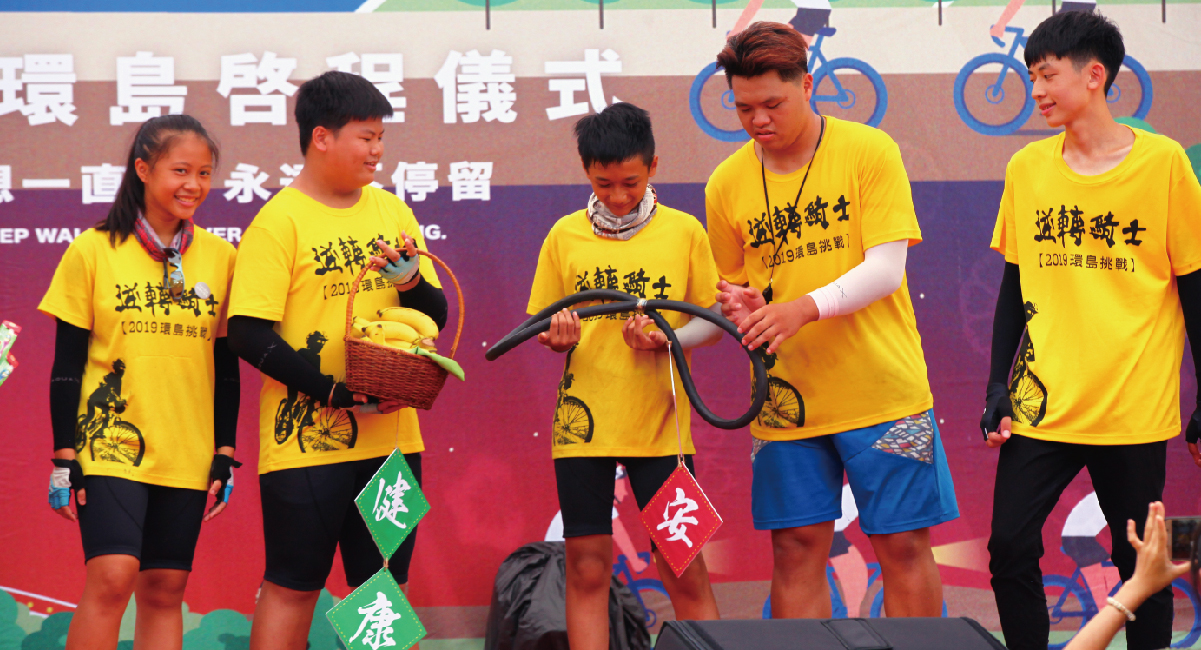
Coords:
pixel 615 399
pixel 810 222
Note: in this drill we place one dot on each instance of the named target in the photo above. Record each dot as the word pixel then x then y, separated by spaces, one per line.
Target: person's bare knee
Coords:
pixel 589 562
pixel 904 549
pixel 161 588
pixel 111 580
pixel 797 547
pixel 693 583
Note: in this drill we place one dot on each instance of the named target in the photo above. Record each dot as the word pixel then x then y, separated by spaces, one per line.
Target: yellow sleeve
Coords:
pixel 408 224
pixel 263 271
pixel 886 199
pixel 1004 234
pixel 232 262
pixel 548 278
pixel 725 238
pixel 702 272
pixel 1184 217
pixel 69 297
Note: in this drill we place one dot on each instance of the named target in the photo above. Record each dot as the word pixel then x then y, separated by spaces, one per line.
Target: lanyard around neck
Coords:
pixel 767 292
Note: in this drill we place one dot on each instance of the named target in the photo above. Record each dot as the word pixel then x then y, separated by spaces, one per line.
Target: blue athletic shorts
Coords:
pixel 897 470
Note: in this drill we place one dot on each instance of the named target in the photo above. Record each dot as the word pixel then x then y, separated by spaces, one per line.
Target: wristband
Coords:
pixel 66 476
pixel 1121 608
pixel 222 472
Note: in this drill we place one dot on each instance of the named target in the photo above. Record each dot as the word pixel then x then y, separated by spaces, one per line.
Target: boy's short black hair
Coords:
pixel 333 99
pixel 1080 36
pixel 616 134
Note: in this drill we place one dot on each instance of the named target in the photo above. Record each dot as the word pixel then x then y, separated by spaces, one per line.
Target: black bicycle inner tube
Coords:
pixel 624 302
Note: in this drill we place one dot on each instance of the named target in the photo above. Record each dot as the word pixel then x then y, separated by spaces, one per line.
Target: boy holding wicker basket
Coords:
pixel 308 247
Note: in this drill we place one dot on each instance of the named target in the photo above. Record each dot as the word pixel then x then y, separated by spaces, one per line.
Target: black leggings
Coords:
pixel 1031 475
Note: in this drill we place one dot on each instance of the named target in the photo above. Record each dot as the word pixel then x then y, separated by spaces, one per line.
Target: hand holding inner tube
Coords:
pixel 624 302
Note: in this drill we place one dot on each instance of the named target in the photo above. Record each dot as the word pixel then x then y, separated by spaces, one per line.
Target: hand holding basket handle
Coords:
pixel 625 302
pixel 389 373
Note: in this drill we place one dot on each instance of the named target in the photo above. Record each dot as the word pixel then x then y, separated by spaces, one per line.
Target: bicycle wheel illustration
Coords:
pixel 1068 607
pixel 1122 94
pixel 783 407
pixel 1029 397
pixel 858 91
pixel 283 422
pixel 1189 614
pixel 121 443
pixel 712 104
pixel 993 94
pixel 332 430
pixel 573 422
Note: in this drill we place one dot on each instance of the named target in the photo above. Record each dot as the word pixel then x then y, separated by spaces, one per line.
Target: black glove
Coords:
pixel 1193 431
pixel 222 471
pixel 342 398
pixel 997 405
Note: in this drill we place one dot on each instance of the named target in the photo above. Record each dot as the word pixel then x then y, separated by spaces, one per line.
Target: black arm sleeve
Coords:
pixel 427 299
pixel 66 381
pixel 255 340
pixel 1189 287
pixel 1008 322
pixel 227 395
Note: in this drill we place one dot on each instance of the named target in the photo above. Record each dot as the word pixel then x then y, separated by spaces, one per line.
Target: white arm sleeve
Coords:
pixel 879 275
pixel 698 332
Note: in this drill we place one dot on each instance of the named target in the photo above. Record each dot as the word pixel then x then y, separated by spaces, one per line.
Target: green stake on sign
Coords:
pixel 392 504
pixel 376 615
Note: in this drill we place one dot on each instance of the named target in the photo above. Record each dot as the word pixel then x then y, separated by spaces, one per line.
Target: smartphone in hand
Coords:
pixel 1183 533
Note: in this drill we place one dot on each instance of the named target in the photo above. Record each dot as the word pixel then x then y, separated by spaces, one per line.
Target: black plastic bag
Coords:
pixel 529 602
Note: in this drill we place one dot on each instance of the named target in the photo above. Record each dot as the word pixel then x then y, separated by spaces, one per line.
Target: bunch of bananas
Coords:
pixel 399 327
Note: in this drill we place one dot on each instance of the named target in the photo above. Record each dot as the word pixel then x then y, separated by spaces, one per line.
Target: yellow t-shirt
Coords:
pixel 296 263
pixel 146 405
pixel 614 400
pixel 845 372
pixel 1100 361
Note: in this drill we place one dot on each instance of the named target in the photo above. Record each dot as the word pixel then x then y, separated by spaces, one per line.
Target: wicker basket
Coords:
pixel 392 374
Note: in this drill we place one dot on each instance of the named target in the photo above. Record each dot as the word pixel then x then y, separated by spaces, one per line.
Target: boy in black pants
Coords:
pixel 319 443
pixel 1102 242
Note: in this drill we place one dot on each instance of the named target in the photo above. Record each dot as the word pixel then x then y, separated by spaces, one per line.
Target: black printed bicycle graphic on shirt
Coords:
pixel 317 429
pixel 573 419
pixel 102 431
pixel 1026 390
pixel 784 406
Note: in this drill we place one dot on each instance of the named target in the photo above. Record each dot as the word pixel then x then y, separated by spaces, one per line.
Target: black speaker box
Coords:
pixel 832 634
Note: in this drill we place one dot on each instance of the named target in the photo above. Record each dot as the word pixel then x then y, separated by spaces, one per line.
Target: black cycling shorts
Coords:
pixel 309 512
pixel 586 488
pixel 158 525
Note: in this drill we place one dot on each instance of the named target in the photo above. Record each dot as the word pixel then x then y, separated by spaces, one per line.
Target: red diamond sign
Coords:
pixel 680 519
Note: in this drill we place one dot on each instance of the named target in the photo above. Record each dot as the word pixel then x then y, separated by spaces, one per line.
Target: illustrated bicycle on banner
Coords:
pixel 994 94
pixel 622 570
pixel 845 87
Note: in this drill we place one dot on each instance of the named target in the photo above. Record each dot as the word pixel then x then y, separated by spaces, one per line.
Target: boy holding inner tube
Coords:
pixel 825 205
pixel 615 397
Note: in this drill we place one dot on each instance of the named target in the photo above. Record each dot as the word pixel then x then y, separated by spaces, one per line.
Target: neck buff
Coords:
pixel 610 226
pixel 150 241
